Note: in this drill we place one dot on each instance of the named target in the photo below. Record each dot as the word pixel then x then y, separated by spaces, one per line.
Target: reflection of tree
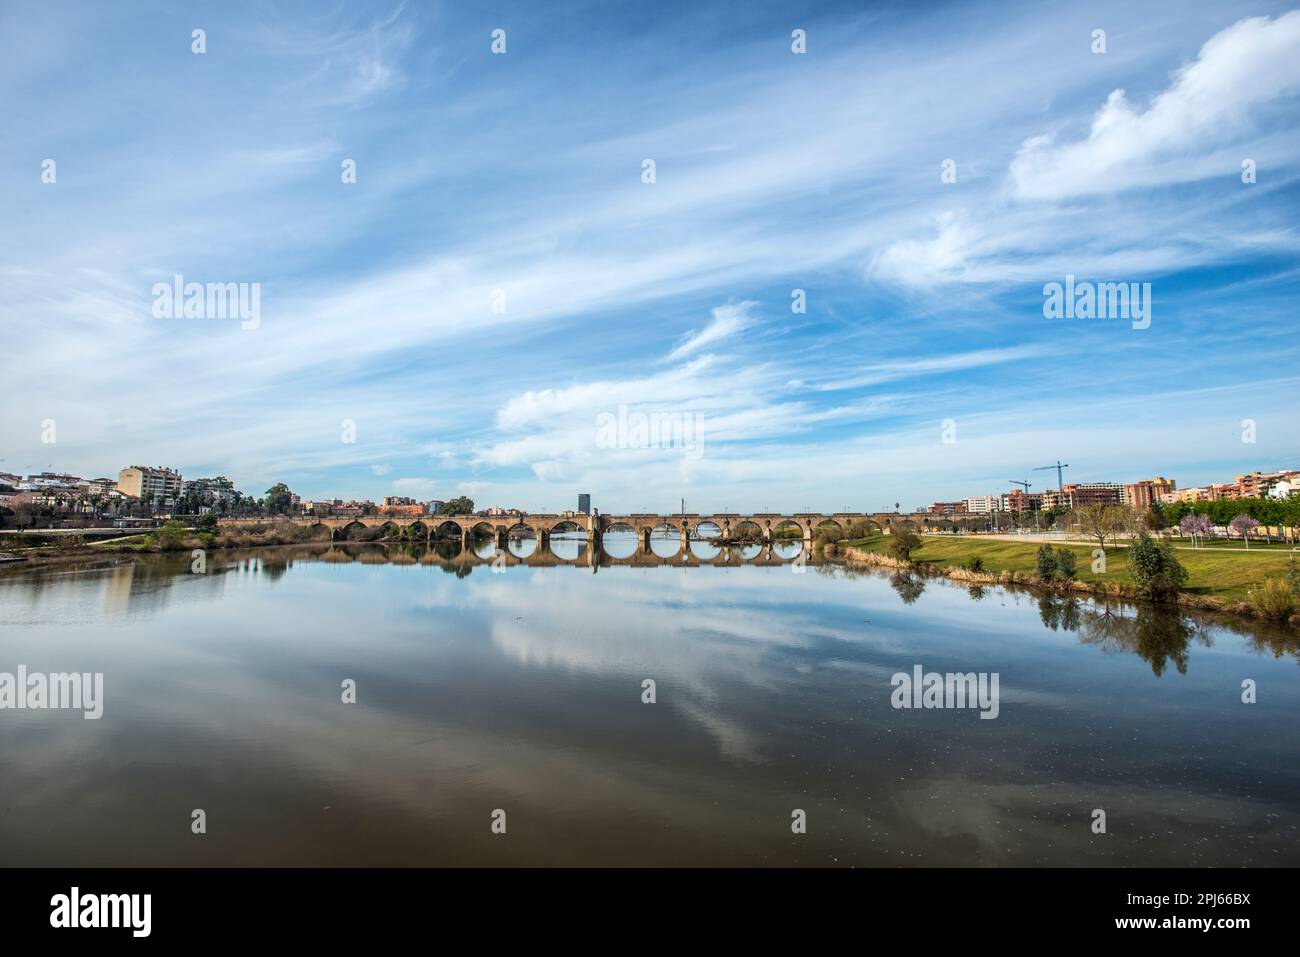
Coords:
pixel 1106 627
pixel 1059 613
pixel 976 592
pixel 275 566
pixel 1278 639
pixel 1157 634
pixel 909 587
pixel 447 548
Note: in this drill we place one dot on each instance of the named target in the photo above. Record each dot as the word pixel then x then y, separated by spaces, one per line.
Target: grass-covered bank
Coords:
pixel 1217 580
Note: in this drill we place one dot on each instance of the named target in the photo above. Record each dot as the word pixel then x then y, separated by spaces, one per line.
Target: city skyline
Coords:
pixel 1158 489
pixel 522 173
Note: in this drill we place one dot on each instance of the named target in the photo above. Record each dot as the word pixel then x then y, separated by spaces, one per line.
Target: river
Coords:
pixel 502 716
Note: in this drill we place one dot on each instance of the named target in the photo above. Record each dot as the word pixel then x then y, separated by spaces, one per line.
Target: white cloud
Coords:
pixel 728 320
pixel 416 487
pixel 953 362
pixel 928 261
pixel 1208 106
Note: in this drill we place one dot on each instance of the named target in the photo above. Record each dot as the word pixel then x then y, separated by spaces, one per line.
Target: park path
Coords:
pixel 1123 543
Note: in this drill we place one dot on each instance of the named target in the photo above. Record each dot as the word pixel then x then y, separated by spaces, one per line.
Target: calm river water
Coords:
pixel 522 692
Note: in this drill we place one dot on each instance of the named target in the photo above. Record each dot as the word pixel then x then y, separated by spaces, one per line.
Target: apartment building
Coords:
pixel 53 480
pixel 1021 501
pixel 404 509
pixel 211 490
pixel 1142 495
pixel 1082 494
pixel 981 505
pixel 1285 489
pixel 1257 484
pixel 102 486
pixel 159 485
pixel 1203 493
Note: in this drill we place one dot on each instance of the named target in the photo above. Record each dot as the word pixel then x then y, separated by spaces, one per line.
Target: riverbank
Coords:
pixel 1215 581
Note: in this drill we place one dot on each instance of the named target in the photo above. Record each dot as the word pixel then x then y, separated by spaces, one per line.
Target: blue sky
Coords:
pixel 522 172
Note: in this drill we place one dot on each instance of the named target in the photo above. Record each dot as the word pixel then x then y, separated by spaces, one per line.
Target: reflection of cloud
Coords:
pixel 236 702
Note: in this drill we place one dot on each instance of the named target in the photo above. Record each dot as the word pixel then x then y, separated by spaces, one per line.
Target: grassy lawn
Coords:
pixel 1224 575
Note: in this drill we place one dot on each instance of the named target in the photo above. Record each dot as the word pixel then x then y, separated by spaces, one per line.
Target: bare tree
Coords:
pixel 1102 521
pixel 24 515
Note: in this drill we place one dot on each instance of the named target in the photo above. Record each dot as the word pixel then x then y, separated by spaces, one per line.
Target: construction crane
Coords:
pixel 1060 469
pixel 1025 485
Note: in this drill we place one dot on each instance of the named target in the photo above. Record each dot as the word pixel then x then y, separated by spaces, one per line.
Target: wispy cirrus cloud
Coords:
pixel 728 320
pixel 520 173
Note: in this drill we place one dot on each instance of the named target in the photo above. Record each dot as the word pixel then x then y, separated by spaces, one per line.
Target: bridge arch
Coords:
pixel 523 540
pixel 663 538
pixel 619 540
pixel 354 531
pixel 787 536
pixel 447 529
pixel 702 542
pixel 562 540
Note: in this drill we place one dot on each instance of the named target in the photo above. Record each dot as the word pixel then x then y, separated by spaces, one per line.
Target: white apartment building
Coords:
pixel 160 486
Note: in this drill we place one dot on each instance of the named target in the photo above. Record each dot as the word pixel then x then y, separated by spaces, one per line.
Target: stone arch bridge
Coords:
pixel 763 528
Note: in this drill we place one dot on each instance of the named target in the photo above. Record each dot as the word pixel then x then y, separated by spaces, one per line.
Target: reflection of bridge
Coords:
pixel 762 529
pixel 451 554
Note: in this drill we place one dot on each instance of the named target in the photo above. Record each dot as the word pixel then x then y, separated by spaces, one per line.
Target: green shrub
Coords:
pixel 169 538
pixel 976 564
pixel 1045 563
pixel 1065 566
pixel 1157 572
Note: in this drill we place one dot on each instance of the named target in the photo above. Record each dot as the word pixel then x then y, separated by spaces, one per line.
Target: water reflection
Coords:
pixel 909 586
pixel 568 546
pixel 522 690
pixel 523 545
pixel 620 543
